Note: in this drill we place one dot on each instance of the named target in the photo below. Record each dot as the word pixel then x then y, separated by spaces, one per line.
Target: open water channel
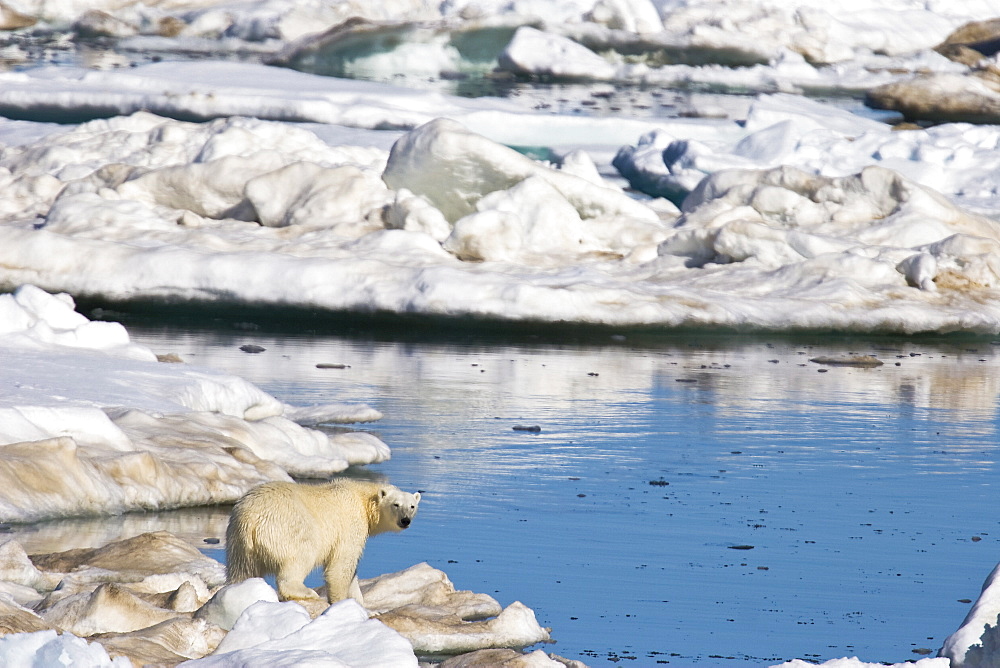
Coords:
pixel 693 499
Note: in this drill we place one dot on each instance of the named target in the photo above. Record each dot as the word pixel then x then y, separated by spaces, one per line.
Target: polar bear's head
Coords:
pixel 396 508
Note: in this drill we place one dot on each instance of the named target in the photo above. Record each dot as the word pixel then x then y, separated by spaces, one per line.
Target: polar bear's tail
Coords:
pixel 238 555
pixel 245 556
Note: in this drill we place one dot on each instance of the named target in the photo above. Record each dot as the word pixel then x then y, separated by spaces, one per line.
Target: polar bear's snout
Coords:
pixel 404 522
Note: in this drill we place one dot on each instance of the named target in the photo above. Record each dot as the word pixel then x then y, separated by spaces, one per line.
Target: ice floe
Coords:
pixel 759 46
pixel 283 634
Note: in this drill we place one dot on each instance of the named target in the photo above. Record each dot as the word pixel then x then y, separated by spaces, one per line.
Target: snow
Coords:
pixel 282 634
pixel 229 603
pixel 301 190
pixel 975 641
pixel 47 648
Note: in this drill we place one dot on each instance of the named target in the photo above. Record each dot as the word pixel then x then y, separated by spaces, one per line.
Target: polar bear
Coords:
pixel 287 529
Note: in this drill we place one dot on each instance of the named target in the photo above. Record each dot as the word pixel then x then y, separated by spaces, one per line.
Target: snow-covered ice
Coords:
pixel 282 634
pixel 855 662
pixel 976 642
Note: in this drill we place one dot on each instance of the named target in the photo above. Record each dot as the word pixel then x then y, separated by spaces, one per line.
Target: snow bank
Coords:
pixel 91 423
pixel 31 318
pixel 282 634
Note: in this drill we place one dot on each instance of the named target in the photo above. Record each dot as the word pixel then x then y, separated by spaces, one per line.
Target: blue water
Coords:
pixel 710 501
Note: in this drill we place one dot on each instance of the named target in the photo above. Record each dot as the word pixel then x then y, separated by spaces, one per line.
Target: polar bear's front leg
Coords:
pixel 341 570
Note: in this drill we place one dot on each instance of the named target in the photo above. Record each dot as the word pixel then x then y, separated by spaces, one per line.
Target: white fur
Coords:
pixel 287 529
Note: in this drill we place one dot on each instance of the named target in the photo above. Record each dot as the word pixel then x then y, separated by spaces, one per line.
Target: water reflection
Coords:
pixel 203 528
pixel 701 501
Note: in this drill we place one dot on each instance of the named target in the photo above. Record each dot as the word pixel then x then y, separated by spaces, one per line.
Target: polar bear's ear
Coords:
pixel 382 493
pixel 416 497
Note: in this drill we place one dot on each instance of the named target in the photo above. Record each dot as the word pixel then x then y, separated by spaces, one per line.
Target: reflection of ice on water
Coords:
pixel 735 374
pixel 203 528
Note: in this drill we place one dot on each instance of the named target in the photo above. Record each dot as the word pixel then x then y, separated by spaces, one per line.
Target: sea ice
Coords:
pixel 757 46
pixel 798 217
